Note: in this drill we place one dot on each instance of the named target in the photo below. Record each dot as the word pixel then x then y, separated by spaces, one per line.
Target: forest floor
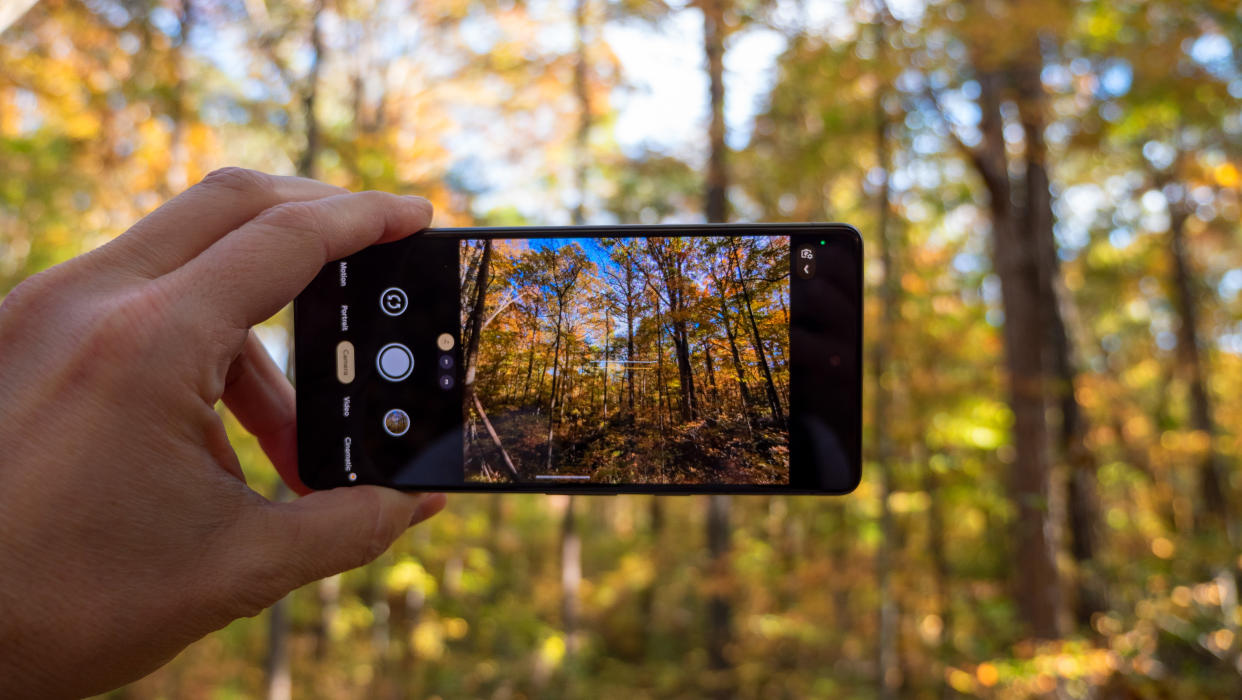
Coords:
pixel 621 450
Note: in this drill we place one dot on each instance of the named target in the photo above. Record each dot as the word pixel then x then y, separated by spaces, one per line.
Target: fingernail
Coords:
pixel 420 200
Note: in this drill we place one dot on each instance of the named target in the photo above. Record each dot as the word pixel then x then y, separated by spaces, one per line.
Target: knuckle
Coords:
pixel 123 322
pixel 32 296
pixel 237 179
pixel 294 216
pixel 299 222
pixel 375 197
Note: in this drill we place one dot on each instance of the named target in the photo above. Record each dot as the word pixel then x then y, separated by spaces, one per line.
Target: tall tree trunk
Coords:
pixel 651 624
pixel 543 373
pixel 530 358
pixel 719 607
pixel 887 662
pixel 607 356
pixel 582 138
pixel 716 199
pixel 381 615
pixel 1212 490
pixel 474 323
pixel 571 577
pixel 743 389
pixel 716 210
pixel 629 329
pixel 473 340
pixel 279 683
pixel 659 335
pixel 713 388
pixel 674 285
pixel 276 665
pixel 178 152
pixel 774 401
pixel 940 567
pixel 306 164
pixel 1081 499
pixel 556 350
pixel 1036 582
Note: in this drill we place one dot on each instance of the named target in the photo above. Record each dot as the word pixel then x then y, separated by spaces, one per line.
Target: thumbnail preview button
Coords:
pixel 394 362
pixel 393 301
pixel 396 422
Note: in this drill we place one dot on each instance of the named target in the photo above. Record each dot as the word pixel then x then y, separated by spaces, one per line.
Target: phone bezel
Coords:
pixel 623 230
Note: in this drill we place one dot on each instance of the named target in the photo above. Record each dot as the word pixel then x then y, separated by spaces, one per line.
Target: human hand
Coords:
pixel 127 530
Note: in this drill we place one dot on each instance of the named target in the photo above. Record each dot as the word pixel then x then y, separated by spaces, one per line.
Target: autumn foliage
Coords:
pixel 1049 194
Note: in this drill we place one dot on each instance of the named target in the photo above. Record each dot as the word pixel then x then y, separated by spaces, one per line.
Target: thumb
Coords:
pixel 328 532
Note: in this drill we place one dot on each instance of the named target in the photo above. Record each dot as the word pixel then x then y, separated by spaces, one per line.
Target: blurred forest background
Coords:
pixel 1049 194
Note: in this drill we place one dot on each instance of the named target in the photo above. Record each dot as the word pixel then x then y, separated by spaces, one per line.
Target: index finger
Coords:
pixel 251 273
pixel 189 223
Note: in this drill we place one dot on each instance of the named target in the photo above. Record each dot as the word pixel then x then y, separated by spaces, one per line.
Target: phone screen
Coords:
pixel 606 359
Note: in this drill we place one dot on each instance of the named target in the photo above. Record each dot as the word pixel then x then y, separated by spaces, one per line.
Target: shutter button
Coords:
pixel 395 362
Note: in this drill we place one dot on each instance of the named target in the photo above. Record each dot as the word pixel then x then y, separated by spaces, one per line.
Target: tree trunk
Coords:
pixel 888 673
pixel 1212 492
pixel 607 357
pixel 543 373
pixel 475 321
pixel 571 577
pixel 629 329
pixel 556 350
pixel 475 326
pixel 328 593
pixel 658 337
pixel 719 608
pixel 646 601
pixel 381 614
pixel 774 401
pixel 306 164
pixel 1036 581
pixel 530 359
pixel 176 181
pixel 279 682
pixel 716 198
pixel 737 360
pixel 674 284
pixel 940 569
pixel 1081 499
pixel 491 432
pixel 276 665
pixel 582 138
pixel 713 388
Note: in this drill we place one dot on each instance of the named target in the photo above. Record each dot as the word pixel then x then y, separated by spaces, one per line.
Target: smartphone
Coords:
pixel 589 359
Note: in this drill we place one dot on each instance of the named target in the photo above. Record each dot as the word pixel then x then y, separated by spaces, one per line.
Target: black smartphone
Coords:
pixel 589 359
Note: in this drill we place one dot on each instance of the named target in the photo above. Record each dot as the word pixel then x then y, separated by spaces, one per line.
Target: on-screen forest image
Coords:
pixel 627 360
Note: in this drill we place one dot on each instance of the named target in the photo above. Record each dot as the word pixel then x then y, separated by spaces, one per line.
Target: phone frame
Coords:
pixel 853 449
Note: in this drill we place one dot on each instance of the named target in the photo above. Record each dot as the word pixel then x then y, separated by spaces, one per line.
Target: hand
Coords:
pixel 127 530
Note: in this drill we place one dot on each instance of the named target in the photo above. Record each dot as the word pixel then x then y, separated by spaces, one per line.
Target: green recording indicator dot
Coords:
pixel 823 242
